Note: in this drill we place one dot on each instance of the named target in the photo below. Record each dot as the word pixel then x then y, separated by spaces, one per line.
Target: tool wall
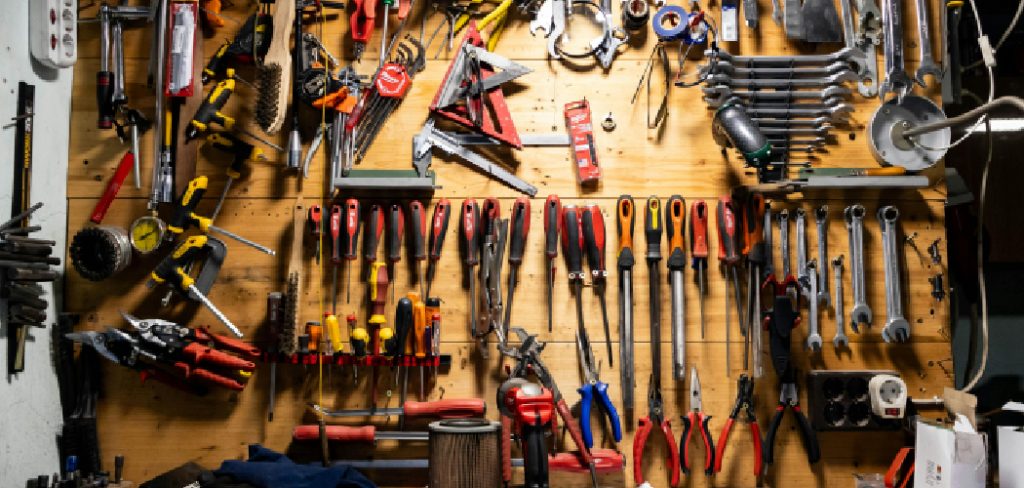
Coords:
pixel 159 427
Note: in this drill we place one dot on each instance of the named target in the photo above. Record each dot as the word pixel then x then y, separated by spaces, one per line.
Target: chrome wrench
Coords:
pixel 897 80
pixel 821 222
pixel 777 12
pixel 840 339
pixel 813 335
pixel 927 65
pixel 769 247
pixel 860 60
pixel 869 35
pixel 897 329
pixel 784 238
pixel 785 83
pixel 801 252
pixel 861 313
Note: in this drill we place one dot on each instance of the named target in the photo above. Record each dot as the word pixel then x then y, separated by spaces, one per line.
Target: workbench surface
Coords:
pixel 158 428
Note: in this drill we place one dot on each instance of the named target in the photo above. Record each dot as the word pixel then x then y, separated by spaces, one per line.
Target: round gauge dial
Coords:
pixel 147 233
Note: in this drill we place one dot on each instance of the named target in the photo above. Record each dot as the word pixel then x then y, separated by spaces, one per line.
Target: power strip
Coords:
pixel 53 32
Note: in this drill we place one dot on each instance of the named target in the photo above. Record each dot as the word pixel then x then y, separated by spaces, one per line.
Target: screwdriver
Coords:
pixel 675 219
pixel 470 244
pixel 624 223
pixel 438 230
pixel 358 338
pixel 371 237
pixel 352 225
pixel 552 214
pixel 572 247
pixel 335 228
pixel 419 346
pixel 396 230
pixel 314 222
pixel 434 335
pixel 396 347
pixel 516 247
pixel 490 213
pixel 754 248
pixel 594 240
pixel 652 233
pixel 184 216
pixel 728 256
pixel 699 251
pixel 379 333
pixel 419 241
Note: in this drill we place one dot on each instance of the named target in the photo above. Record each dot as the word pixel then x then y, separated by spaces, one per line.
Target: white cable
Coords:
pixel 1002 39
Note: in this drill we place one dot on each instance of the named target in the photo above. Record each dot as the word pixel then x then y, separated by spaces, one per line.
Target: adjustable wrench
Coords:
pixel 927 64
pixel 860 60
pixel 896 78
pixel 813 335
pixel 869 35
pixel 861 313
pixel 821 222
pixel 897 329
pixel 840 339
pixel 784 238
pixel 801 253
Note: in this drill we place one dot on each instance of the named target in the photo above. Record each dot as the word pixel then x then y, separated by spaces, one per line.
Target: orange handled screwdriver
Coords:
pixel 625 222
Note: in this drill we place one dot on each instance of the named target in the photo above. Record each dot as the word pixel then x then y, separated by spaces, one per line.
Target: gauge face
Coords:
pixel 147 233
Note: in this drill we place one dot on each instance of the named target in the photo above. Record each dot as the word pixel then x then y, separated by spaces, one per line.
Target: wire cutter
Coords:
pixel 695 419
pixel 593 386
pixel 655 415
pixel 744 402
pixel 780 321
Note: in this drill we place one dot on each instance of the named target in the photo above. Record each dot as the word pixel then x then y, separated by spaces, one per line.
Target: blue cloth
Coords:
pixel 270 469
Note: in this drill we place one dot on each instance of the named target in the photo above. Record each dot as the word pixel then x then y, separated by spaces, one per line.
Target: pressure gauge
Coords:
pixel 147 233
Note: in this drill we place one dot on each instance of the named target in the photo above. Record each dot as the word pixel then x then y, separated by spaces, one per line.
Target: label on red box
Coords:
pixel 581 134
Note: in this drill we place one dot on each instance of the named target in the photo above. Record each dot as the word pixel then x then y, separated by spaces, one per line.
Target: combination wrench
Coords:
pixel 896 78
pixel 821 222
pixel 813 335
pixel 840 339
pixel 861 313
pixel 897 329
pixel 927 65
pixel 784 238
pixel 801 253
pixel 769 258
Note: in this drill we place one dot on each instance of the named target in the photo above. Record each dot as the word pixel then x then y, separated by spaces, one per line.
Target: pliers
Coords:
pixel 655 415
pixel 695 419
pixel 593 386
pixel 780 321
pixel 744 402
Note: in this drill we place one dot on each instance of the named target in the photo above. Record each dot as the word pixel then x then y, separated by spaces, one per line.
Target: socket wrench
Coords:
pixel 861 313
pixel 897 329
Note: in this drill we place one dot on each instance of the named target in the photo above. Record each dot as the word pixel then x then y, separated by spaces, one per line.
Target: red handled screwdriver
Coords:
pixel 396 230
pixel 419 241
pixel 552 215
pixel 335 254
pixel 728 256
pixel 438 230
pixel 572 247
pixel 594 240
pixel 516 247
pixel 372 235
pixel 470 243
pixel 699 251
pixel 351 242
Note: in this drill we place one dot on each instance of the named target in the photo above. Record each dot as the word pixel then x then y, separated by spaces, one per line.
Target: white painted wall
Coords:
pixel 30 415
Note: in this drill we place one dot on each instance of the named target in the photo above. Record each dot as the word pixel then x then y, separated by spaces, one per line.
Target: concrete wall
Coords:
pixel 30 415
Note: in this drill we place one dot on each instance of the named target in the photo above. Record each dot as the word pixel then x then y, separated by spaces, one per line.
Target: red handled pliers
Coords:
pixel 655 416
pixel 694 420
pixel 744 402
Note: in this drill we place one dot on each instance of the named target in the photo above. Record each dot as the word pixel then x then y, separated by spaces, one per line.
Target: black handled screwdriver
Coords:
pixel 516 247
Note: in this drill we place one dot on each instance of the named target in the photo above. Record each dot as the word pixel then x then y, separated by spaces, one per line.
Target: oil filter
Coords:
pixel 465 453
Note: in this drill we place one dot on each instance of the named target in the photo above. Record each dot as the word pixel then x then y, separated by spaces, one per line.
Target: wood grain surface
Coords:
pixel 159 428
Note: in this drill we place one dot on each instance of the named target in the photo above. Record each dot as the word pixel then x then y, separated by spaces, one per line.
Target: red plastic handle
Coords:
pixel 339 433
pixel 699 230
pixel 237 346
pixel 758 463
pixel 605 461
pixel 200 354
pixel 639 441
pixel 727 231
pixel 439 227
pixel 192 373
pixel 723 438
pixel 447 409
pixel 352 224
pixel 673 452
pixel 362 20
pixel 336 233
pixel 123 168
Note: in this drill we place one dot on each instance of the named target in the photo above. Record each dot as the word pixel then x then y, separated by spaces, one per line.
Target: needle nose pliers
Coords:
pixel 695 419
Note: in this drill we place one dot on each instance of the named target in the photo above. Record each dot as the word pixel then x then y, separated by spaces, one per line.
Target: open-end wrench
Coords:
pixel 839 113
pixel 843 54
pixel 813 334
pixel 801 253
pixel 715 95
pixel 840 339
pixel 897 80
pixel 821 222
pixel 927 65
pixel 784 239
pixel 770 122
pixel 769 246
pixel 869 35
pixel 861 313
pixel 774 71
pixel 821 131
pixel 897 329
pixel 784 83
pixel 558 14
pixel 544 18
pixel 860 60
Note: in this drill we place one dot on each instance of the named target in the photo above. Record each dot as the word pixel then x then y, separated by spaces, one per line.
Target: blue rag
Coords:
pixel 270 469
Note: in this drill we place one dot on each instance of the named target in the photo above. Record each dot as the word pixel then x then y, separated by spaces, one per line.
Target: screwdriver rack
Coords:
pixel 442 361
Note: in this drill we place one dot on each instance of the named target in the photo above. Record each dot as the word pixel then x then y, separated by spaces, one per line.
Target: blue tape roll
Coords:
pixel 675 32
